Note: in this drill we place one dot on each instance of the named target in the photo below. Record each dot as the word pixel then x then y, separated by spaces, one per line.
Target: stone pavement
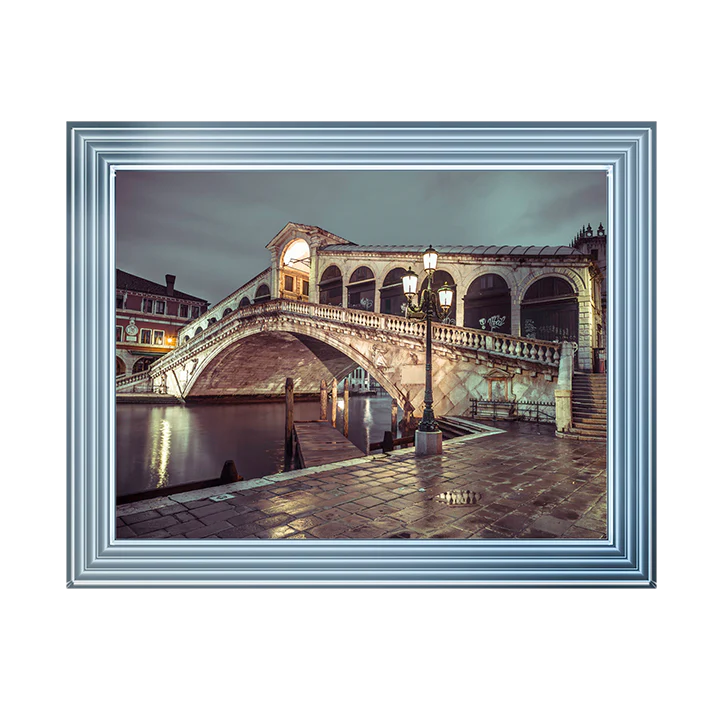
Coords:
pixel 530 485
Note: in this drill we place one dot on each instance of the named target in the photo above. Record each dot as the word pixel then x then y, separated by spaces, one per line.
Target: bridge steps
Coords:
pixel 589 408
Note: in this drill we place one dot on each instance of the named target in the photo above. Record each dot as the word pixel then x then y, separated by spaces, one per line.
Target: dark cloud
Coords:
pixel 210 229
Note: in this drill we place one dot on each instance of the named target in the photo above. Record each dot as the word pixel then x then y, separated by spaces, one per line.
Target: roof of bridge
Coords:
pixel 130 282
pixel 464 250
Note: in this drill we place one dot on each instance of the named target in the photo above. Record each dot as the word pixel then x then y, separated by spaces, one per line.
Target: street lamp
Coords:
pixel 428 437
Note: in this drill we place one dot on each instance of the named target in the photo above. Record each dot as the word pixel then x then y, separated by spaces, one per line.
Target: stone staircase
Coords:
pixel 589 407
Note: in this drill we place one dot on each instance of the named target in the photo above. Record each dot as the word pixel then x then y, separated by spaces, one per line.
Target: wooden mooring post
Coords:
pixel 346 407
pixel 323 401
pixel 334 391
pixel 395 411
pixel 289 431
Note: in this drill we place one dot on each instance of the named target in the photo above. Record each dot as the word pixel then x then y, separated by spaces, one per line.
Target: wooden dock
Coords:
pixel 319 443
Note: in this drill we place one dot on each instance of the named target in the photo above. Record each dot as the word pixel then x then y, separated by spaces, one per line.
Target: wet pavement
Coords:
pixel 528 484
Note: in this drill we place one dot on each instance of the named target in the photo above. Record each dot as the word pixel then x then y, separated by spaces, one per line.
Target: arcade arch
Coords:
pixel 488 297
pixel 549 310
pixel 331 286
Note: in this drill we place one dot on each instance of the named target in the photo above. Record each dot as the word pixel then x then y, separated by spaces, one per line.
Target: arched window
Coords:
pixel 245 301
pixel 227 311
pixel 550 310
pixel 488 304
pixel 360 291
pixel 392 298
pixel 212 320
pixel 330 287
pixel 199 329
pixel 262 294
pixel 186 338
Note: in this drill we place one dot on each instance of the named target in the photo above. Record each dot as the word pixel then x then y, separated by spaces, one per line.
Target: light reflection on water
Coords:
pixel 160 446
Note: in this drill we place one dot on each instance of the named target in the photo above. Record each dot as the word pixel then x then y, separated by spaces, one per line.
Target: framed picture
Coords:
pixel 436 370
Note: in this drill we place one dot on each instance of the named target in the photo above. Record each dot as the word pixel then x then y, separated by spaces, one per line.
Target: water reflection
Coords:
pixel 159 446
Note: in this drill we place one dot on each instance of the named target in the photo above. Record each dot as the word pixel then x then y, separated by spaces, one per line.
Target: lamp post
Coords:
pixel 428 437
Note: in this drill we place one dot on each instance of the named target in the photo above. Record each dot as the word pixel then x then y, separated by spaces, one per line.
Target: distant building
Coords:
pixel 147 319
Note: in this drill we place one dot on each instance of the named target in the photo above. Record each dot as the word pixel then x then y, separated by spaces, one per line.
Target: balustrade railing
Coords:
pixel 546 352
pixel 132 378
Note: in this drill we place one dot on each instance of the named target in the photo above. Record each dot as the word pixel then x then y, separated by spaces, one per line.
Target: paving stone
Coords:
pixel 140 516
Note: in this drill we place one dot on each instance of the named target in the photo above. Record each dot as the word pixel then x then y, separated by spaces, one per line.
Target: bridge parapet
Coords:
pixel 521 348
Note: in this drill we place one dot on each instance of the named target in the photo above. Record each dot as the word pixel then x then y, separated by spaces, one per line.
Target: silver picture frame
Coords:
pixel 626 151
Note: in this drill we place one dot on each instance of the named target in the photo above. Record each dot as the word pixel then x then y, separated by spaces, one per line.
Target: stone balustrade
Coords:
pixel 544 352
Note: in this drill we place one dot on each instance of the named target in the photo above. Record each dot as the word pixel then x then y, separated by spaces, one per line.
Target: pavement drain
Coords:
pixel 221 498
pixel 459 497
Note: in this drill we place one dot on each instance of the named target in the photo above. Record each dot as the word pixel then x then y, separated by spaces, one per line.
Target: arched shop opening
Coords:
pixel 120 367
pixel 294 272
pixel 360 290
pixel 142 364
pixel 441 278
pixel 550 310
pixel 330 287
pixel 262 294
pixel 488 304
pixel 392 298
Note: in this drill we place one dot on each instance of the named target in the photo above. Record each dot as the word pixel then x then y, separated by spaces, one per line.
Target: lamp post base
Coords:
pixel 426 443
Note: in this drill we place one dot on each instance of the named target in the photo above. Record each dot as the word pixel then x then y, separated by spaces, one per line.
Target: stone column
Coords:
pixel 459 306
pixel 563 392
pixel 585 331
pixel 515 308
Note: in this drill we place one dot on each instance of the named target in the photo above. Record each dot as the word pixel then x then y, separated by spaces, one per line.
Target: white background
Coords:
pixel 345 655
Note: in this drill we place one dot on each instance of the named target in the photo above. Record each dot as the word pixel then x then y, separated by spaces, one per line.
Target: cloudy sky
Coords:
pixel 210 228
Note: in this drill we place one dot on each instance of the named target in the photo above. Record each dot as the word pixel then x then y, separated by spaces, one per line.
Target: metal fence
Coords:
pixel 541 412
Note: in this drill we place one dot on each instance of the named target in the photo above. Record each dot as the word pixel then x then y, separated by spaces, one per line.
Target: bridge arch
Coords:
pixel 245 301
pixel 550 309
pixel 120 367
pixel 391 294
pixel 228 310
pixel 340 345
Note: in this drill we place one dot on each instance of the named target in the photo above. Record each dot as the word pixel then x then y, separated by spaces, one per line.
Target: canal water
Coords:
pixel 161 446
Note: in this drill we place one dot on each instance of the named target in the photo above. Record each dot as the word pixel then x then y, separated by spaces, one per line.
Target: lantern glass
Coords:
pixel 445 297
pixel 409 282
pixel 430 259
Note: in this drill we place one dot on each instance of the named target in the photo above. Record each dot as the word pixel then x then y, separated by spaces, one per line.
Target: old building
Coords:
pixel 148 316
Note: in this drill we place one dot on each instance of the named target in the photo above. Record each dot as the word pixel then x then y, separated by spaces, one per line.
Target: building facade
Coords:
pixel 552 293
pixel 148 317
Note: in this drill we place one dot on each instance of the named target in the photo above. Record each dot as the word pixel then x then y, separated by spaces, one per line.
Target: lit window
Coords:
pixel 145 336
pixel 158 338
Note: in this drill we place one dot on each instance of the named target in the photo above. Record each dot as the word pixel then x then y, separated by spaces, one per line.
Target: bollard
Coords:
pixel 229 472
pixel 334 391
pixel 289 416
pixel 323 401
pixel 346 407
pixel 387 442
pixel 395 410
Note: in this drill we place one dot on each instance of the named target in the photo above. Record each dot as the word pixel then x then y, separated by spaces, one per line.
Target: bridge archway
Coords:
pixel 257 360
pixel 120 367
pixel 391 294
pixel 488 296
pixel 550 310
pixel 361 289
pixel 294 268
pixel 331 286
pixel 263 293
pixel 245 301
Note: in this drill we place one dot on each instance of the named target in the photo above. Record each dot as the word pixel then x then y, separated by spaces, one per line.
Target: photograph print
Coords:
pixel 361 354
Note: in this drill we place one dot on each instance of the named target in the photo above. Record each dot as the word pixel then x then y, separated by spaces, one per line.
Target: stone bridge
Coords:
pixel 252 351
